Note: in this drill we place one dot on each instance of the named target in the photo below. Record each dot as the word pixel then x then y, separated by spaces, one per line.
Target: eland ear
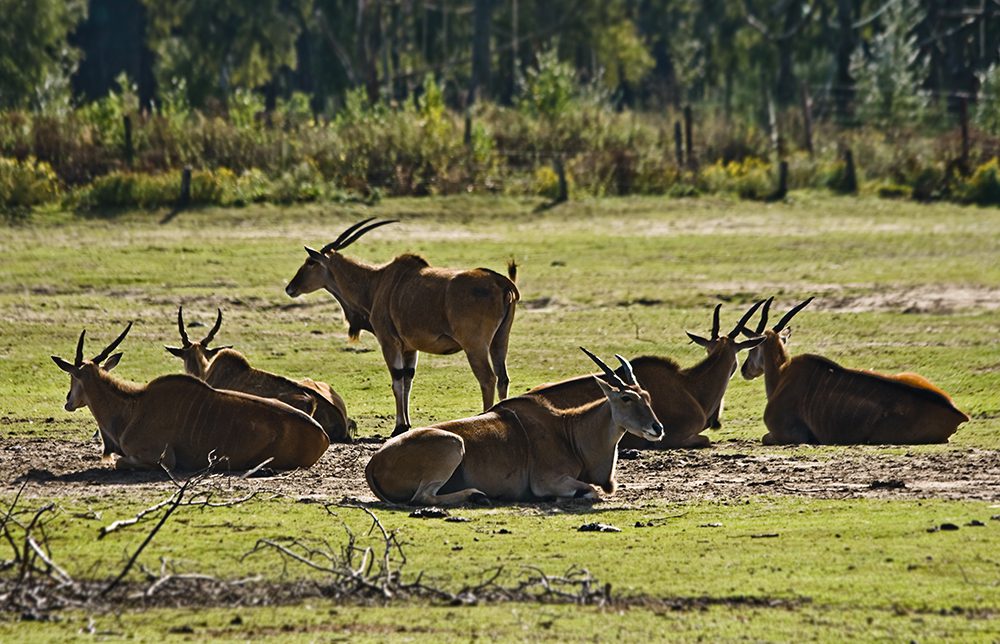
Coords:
pixel 315 254
pixel 785 333
pixel 697 339
pixel 65 366
pixel 749 344
pixel 112 362
pixel 174 351
pixel 609 390
pixel 211 352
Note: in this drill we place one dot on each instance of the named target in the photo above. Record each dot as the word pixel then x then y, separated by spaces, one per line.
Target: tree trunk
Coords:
pixel 843 89
pixel 369 33
pixel 785 87
pixel 479 84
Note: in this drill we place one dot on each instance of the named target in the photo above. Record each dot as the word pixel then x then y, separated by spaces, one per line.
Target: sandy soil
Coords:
pixel 71 469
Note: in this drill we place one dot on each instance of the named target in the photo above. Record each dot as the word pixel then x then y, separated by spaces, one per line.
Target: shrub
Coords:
pixel 24 185
pixel 750 178
pixel 300 184
pixel 129 190
pixel 251 186
pixel 926 182
pixel 983 187
pixel 546 182
pixel 834 176
pixel 890 190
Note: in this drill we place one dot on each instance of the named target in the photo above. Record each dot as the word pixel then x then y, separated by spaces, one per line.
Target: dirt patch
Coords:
pixel 732 470
pixel 864 298
pixel 922 299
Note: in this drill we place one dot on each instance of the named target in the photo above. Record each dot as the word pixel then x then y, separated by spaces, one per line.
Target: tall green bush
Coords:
pixel 24 185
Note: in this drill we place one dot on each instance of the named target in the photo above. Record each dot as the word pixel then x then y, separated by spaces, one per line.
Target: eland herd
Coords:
pixel 557 440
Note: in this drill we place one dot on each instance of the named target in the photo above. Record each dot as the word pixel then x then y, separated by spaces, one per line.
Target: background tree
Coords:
pixel 112 40
pixel 36 59
pixel 889 70
pixel 218 46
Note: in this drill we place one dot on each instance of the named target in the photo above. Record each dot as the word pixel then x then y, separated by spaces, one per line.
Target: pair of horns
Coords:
pixel 740 326
pixel 785 319
pixel 103 354
pixel 184 335
pixel 610 375
pixel 352 234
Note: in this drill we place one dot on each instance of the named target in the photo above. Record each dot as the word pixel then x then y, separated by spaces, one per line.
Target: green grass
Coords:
pixel 849 553
pixel 580 265
pixel 584 269
pixel 849 569
pixel 322 622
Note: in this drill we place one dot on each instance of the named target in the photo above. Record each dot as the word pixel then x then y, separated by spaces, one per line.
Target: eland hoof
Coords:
pixel 400 429
pixel 478 498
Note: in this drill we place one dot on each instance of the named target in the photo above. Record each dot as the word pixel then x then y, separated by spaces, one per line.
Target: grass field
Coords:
pixel 898 286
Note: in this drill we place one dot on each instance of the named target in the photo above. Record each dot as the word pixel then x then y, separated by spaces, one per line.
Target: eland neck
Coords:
pixel 196 364
pixel 111 400
pixel 710 377
pixel 594 438
pixel 352 282
pixel 775 359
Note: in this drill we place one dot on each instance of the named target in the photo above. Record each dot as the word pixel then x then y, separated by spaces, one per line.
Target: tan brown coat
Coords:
pixel 521 449
pixel 811 399
pixel 224 368
pixel 412 306
pixel 179 422
pixel 685 400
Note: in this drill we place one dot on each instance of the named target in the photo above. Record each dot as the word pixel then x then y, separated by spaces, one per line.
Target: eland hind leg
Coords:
pixel 479 361
pixel 396 363
pixel 413 467
pixel 498 353
pixel 785 428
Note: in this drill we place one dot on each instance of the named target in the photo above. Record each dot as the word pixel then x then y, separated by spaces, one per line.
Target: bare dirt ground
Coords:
pixel 730 470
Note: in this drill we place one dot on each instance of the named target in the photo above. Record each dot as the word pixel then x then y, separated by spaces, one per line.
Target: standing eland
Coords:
pixel 412 306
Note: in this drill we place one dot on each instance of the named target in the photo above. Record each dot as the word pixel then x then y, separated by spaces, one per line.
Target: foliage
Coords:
pixel 549 87
pixel 546 182
pixel 622 54
pixel 751 178
pixel 890 79
pixel 119 190
pixel 834 176
pixel 24 185
pixel 106 115
pixel 219 47
pixel 983 187
pixel 36 58
pixel 987 113
pixel 418 148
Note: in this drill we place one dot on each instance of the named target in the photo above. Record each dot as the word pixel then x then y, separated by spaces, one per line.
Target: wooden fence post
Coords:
pixel 782 190
pixel 688 138
pixel 851 178
pixel 563 194
pixel 185 197
pixel 128 151
pixel 807 118
pixel 963 112
pixel 678 144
